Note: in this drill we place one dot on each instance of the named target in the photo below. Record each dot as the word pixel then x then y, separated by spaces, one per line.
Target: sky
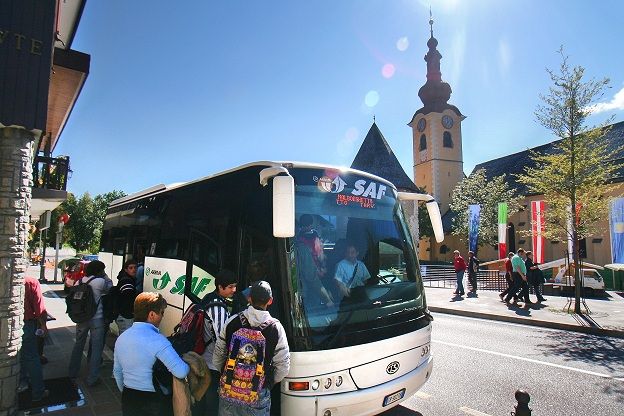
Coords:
pixel 180 90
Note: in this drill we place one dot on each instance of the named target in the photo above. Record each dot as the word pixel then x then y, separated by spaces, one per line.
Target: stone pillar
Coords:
pixel 16 157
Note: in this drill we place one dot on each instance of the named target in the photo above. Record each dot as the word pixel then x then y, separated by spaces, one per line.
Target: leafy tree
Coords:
pixel 84 229
pixel 476 189
pixel 82 226
pixel 575 177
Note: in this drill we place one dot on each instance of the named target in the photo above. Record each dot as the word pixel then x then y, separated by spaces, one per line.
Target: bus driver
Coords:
pixel 350 272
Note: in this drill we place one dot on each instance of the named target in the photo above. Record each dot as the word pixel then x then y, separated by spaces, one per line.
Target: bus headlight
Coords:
pixel 338 382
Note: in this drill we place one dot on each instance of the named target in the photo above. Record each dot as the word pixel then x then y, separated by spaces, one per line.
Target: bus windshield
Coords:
pixel 354 273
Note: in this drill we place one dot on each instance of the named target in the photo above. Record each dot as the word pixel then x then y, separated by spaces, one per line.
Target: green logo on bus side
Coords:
pixel 197 285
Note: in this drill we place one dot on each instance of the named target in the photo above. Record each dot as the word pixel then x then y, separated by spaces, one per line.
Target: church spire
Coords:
pixel 435 93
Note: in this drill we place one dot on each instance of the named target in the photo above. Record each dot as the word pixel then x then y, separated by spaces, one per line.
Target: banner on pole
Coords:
pixel 502 230
pixel 537 230
pixel 474 213
pixel 616 226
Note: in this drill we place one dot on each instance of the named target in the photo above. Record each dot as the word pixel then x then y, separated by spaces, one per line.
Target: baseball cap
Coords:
pixel 260 291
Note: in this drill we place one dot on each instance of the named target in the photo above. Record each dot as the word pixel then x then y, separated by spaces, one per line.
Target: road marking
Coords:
pixel 500 354
pixel 422 395
pixel 472 412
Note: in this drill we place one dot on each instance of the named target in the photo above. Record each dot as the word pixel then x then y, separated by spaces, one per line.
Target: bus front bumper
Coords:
pixel 362 402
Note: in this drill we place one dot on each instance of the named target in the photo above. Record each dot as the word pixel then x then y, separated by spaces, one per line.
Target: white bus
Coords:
pixel 355 353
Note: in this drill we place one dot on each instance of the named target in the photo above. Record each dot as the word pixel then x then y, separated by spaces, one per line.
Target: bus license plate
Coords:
pixel 391 398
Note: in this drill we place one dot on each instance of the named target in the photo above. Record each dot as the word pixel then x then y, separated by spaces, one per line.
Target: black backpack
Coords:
pixel 110 304
pixel 81 305
pixel 187 336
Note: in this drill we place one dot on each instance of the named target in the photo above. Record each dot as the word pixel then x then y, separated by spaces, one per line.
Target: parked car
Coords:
pixel 74 272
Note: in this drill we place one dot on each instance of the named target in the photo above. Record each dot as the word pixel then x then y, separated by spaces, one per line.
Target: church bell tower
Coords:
pixel 436 132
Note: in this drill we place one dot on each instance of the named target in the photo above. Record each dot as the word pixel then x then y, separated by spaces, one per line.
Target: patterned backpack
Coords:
pixel 245 371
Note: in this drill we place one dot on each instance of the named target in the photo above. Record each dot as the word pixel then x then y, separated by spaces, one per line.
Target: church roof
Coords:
pixel 514 164
pixel 375 156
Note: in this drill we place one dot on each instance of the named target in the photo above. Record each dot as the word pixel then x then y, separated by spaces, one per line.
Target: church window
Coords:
pixel 447 141
pixel 444 249
pixel 423 142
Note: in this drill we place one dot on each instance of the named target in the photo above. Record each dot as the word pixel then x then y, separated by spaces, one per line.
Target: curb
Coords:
pixel 531 322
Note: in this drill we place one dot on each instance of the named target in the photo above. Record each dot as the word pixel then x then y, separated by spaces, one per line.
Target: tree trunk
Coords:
pixel 577 269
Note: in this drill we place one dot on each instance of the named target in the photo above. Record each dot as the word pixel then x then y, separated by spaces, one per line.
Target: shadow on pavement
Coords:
pixel 400 411
pixel 615 390
pixel 574 346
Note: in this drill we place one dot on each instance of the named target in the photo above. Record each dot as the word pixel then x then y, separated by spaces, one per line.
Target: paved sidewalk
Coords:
pixel 103 399
pixel 605 317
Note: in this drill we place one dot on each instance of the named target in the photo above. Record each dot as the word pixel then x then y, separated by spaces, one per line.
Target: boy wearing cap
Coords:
pixel 216 315
pixel 276 354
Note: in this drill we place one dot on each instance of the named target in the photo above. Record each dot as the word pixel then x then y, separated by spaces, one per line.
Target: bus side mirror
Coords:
pixel 283 206
pixel 432 209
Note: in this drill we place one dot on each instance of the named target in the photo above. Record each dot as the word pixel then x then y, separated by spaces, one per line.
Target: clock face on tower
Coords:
pixel 447 121
pixel 421 125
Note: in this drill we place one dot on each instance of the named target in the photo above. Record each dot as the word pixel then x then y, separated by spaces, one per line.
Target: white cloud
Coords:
pixel 617 103
pixel 504 56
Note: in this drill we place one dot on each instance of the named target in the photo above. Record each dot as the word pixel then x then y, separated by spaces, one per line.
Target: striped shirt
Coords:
pixel 216 316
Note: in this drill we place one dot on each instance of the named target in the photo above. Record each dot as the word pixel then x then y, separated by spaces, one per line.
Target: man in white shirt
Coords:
pixel 350 272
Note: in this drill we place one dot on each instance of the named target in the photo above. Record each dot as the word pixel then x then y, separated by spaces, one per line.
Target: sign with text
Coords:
pixel 26 44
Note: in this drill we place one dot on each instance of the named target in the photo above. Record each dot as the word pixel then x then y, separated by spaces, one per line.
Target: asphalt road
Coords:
pixel 479 365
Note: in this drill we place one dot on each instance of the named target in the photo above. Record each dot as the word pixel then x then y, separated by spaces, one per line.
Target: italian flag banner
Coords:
pixel 537 227
pixel 502 230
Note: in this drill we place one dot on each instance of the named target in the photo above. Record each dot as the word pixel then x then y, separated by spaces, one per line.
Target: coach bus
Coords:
pixel 354 352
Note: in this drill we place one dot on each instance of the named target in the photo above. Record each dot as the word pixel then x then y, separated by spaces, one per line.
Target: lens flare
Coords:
pixel 351 134
pixel 402 44
pixel 371 99
pixel 388 70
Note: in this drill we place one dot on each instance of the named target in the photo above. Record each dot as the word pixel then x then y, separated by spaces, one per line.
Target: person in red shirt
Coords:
pixel 508 277
pixel 460 269
pixel 35 317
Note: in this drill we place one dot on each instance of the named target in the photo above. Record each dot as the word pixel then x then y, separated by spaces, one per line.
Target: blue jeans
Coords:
pixel 30 365
pixel 261 408
pixel 97 329
pixel 460 281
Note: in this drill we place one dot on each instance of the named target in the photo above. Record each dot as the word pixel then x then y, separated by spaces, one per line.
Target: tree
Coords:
pixel 100 206
pixel 575 177
pixel 82 226
pixel 477 189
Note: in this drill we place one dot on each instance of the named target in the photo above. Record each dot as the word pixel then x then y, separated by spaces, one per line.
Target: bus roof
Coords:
pixel 160 188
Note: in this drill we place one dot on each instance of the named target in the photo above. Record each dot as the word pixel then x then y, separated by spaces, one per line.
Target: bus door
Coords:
pixel 204 261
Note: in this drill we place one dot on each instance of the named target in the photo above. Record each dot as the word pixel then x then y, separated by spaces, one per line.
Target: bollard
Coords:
pixel 523 399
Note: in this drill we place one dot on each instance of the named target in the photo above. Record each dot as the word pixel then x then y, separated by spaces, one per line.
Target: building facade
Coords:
pixel 40 80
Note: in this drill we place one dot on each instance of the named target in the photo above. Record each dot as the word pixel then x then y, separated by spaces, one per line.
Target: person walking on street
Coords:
pixel 216 315
pixel 460 269
pixel 126 292
pixel 535 277
pixel 35 326
pixel 508 277
pixel 96 326
pixel 136 351
pixel 243 390
pixel 473 268
pixel 520 277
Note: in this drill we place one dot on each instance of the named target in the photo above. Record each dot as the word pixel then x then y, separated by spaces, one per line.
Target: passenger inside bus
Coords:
pixel 311 262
